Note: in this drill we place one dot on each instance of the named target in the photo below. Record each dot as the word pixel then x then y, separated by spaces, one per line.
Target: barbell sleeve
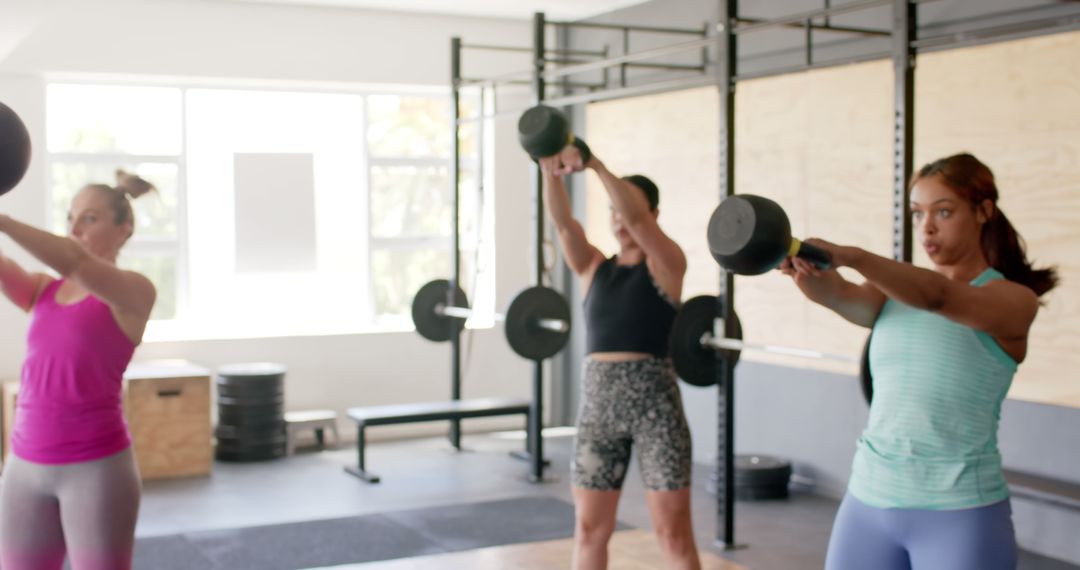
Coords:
pixel 721 343
pixel 554 325
pixel 451 311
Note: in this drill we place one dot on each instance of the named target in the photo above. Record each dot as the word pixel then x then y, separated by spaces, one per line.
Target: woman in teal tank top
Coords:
pixel 927 490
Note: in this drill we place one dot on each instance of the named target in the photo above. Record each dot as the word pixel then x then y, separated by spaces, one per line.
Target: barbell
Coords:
pixel 537 322
pixel 14 149
pixel 695 342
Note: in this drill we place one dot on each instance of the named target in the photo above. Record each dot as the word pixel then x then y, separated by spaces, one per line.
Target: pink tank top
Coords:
pixel 69 407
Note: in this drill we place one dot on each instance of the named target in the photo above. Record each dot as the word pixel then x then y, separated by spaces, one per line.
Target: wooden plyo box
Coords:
pixel 167 404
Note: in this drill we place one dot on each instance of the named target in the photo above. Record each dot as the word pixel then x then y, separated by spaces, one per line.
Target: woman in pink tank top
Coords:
pixel 70 486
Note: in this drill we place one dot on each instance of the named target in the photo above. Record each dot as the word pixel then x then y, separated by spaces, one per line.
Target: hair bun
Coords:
pixel 132 185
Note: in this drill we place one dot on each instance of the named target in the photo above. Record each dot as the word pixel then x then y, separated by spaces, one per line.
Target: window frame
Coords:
pixel 182 326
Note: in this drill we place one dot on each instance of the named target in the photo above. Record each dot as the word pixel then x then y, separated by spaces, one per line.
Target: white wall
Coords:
pixel 201 38
pixel 26 95
pixel 276 45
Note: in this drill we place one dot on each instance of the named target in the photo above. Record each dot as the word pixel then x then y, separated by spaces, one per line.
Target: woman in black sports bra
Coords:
pixel 630 392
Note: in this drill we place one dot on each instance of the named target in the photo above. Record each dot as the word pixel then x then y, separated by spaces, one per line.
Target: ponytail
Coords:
pixel 1005 251
pixel 128 187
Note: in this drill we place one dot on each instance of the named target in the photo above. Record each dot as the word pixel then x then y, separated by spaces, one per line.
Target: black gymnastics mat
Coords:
pixel 366 538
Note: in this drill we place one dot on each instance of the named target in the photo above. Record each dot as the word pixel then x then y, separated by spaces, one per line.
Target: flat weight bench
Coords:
pixel 1043 489
pixel 425 412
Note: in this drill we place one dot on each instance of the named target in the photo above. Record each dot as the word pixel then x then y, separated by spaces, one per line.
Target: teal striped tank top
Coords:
pixel 931 440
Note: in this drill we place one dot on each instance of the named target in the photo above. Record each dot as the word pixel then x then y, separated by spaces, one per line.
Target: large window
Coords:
pixel 411 205
pixel 94 130
pixel 278 213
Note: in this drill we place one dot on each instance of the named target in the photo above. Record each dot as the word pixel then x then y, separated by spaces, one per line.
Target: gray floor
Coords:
pixel 421 473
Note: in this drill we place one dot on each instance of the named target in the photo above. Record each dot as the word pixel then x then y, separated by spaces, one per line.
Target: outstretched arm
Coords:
pixel 582 256
pixel 1001 308
pixel 667 258
pixel 127 292
pixel 859 304
pixel 19 285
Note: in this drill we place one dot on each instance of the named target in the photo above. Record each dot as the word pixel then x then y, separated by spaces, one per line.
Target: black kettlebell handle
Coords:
pixel 821 258
pixel 586 152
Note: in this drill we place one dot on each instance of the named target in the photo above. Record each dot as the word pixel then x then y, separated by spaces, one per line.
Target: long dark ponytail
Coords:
pixel 1001 244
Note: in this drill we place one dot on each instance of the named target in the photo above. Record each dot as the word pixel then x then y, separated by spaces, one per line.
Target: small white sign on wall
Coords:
pixel 275 212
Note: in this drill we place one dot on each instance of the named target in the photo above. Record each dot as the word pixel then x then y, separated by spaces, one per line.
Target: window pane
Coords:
pixel 467 132
pixel 470 202
pixel 161 270
pixel 113 118
pixel 155 213
pixel 408 126
pixel 410 201
pixel 397 275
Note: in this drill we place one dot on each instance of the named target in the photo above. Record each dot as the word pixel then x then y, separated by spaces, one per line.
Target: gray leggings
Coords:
pixel 85 510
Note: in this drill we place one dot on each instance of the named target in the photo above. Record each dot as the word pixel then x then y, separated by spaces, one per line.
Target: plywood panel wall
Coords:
pixel 673 139
pixel 820 143
pixel 1016 106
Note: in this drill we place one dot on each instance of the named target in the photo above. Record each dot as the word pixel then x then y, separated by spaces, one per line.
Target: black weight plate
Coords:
pixel 431 326
pixel 866 379
pixel 253 392
pixel 256 423
pixel 694 363
pixel 760 463
pixel 760 478
pixel 761 471
pixel 273 408
pixel 262 430
pixel 250 371
pixel 522 332
pixel 251 401
pixel 253 422
pixel 228 452
pixel 250 382
pixel 235 415
pixel 252 440
pixel 763 493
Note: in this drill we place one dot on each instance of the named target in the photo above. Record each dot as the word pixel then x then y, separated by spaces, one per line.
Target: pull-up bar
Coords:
pixel 523 49
pixel 801 18
pixel 804 16
pixel 821 27
pixel 632 57
pixel 629 28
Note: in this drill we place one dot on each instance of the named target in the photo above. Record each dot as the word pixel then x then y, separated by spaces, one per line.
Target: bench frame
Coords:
pixel 453 410
pixel 1043 489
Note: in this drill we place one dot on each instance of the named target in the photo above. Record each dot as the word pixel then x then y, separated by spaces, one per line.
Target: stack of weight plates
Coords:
pixel 251 412
pixel 761 477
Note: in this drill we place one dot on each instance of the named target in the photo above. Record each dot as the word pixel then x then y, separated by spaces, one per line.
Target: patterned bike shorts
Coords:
pixel 629 404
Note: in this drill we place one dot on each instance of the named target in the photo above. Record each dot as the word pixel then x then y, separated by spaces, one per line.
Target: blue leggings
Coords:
pixel 865 537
